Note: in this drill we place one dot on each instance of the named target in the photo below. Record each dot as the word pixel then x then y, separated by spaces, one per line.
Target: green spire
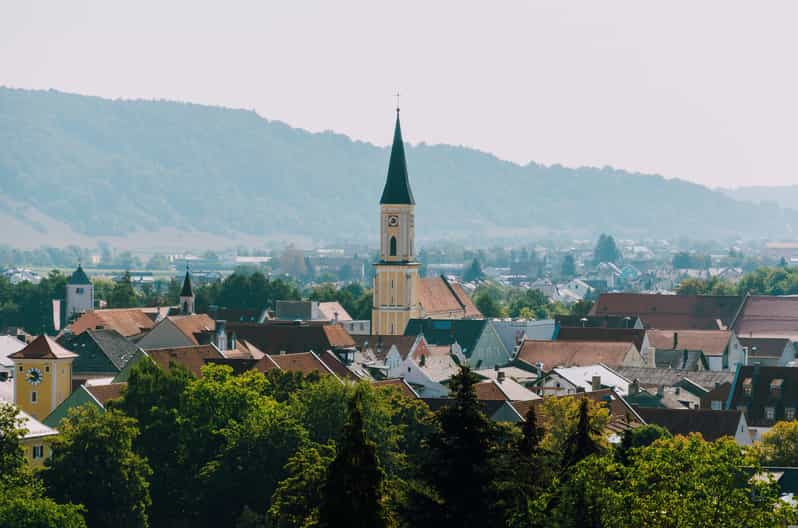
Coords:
pixel 397 186
pixel 187 290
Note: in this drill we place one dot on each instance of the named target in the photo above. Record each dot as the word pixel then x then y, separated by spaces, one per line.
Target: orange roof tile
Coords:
pixel 192 325
pixel 43 347
pixel 574 353
pixel 438 296
pixel 191 357
pixel 106 393
pixel 711 342
pixel 304 362
pixel 127 321
pixel 398 384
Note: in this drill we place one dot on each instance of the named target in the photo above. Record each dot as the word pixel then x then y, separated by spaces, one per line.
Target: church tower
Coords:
pixel 187 295
pixel 396 278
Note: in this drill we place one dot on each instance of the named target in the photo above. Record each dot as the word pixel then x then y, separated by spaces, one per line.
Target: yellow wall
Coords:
pixel 395 298
pixel 54 388
pixel 27 446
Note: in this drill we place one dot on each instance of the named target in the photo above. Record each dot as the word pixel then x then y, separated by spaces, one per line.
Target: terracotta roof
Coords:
pixel 574 353
pixel 671 312
pixel 43 347
pixel 106 393
pixel 334 364
pixel 767 316
pixel 329 309
pixel 488 390
pixel 380 345
pixel 711 342
pixel 399 384
pixel 765 347
pixel 273 337
pixel 191 357
pixel 719 393
pixel 438 296
pixel 127 321
pixel 193 325
pixel 759 379
pixel 628 335
pixel 304 362
pixel 711 424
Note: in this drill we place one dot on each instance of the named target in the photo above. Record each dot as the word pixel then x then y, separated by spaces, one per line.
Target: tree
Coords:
pixel 474 272
pixel 635 438
pixel 533 300
pixel 123 294
pixel 353 492
pixel 94 464
pixel 568 268
pixel 606 250
pixel 295 501
pixel 562 415
pixel 779 446
pixel 458 468
pixel 487 305
pixel 583 442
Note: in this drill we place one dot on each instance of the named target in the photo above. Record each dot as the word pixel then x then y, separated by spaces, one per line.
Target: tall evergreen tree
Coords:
pixel 474 272
pixel 582 442
pixel 352 494
pixel 606 250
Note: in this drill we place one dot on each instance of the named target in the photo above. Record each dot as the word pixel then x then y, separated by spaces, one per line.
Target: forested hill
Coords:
pixel 108 167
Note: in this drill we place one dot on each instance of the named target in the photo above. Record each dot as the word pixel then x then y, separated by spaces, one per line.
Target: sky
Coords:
pixel 705 91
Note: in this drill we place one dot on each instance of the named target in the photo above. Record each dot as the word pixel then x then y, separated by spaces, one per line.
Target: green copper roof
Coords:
pixel 397 186
pixel 79 277
pixel 187 291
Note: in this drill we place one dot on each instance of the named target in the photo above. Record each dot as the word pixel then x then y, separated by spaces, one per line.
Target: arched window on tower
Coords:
pixel 393 246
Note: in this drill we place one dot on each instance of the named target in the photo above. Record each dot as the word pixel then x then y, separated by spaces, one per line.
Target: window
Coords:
pixel 393 246
pixel 33 397
pixel 47 369
pixel 789 413
pixel 79 291
pixel 21 368
pixel 717 405
pixel 770 413
pixel 747 386
pixel 38 451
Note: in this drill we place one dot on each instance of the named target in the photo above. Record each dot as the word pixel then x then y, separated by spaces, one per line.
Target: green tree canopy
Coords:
pixel 606 250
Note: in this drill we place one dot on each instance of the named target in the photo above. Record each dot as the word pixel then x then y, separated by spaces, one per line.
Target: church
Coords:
pixel 400 294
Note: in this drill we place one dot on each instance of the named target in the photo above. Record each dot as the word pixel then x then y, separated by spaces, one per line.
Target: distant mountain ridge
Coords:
pixel 785 196
pixel 111 167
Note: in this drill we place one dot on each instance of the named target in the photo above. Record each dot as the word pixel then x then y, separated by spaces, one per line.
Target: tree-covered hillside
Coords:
pixel 108 167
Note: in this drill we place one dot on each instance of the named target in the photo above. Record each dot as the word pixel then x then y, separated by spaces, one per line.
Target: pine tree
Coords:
pixel 582 442
pixel 474 272
pixel 530 440
pixel 352 494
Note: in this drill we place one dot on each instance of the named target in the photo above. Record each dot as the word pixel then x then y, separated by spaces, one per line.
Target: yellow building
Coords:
pixel 43 376
pixel 396 279
pixel 35 443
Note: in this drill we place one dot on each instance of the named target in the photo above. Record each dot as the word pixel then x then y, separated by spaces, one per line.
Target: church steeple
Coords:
pixel 187 295
pixel 397 186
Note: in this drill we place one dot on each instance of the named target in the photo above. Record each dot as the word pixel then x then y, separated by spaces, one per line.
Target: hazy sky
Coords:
pixel 700 90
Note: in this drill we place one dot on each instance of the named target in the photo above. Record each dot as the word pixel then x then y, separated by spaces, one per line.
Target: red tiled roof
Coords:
pixel 574 353
pixel 191 357
pixel 628 335
pixel 335 365
pixel 106 393
pixel 274 337
pixel 767 316
pixel 330 309
pixel 765 347
pixel 711 342
pixel 304 362
pixel 43 347
pixel 399 384
pixel 671 312
pixel 127 321
pixel 438 296
pixel 380 345
pixel 192 325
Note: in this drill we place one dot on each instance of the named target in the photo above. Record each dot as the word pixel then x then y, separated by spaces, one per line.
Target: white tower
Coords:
pixel 79 294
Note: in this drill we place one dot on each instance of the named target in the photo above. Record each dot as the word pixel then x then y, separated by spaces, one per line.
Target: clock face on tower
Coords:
pixel 393 221
pixel 34 376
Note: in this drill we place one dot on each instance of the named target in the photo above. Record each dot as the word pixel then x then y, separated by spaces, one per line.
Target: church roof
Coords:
pixel 79 277
pixel 43 347
pixel 397 186
pixel 187 291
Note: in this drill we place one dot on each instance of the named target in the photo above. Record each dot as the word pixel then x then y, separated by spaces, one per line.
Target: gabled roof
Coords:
pixel 79 277
pixel 671 312
pixel 187 290
pixel 767 316
pixel 128 322
pixel 617 406
pixel 34 428
pixel 440 296
pixel 711 342
pixel 303 362
pixel 598 321
pixel 192 358
pixel 380 345
pixel 627 335
pixel 764 347
pixel 574 353
pixel 399 384
pixel 680 359
pixel 43 347
pixel 507 389
pixel 397 185
pixel 99 350
pixel 583 377
pixel 444 332
pixel 193 325
pixel 332 310
pixel 338 368
pixel 711 424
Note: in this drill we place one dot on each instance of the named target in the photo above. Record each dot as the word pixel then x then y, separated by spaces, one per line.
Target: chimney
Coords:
pixel 675 340
pixel 661 391
pixel 233 340
pixel 335 320
pixel 221 335
pixel 500 376
pixel 634 387
pixel 595 383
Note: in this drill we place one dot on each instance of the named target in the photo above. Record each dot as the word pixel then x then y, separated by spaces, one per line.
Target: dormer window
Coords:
pixel 747 387
pixel 789 413
pixel 775 387
pixel 770 413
